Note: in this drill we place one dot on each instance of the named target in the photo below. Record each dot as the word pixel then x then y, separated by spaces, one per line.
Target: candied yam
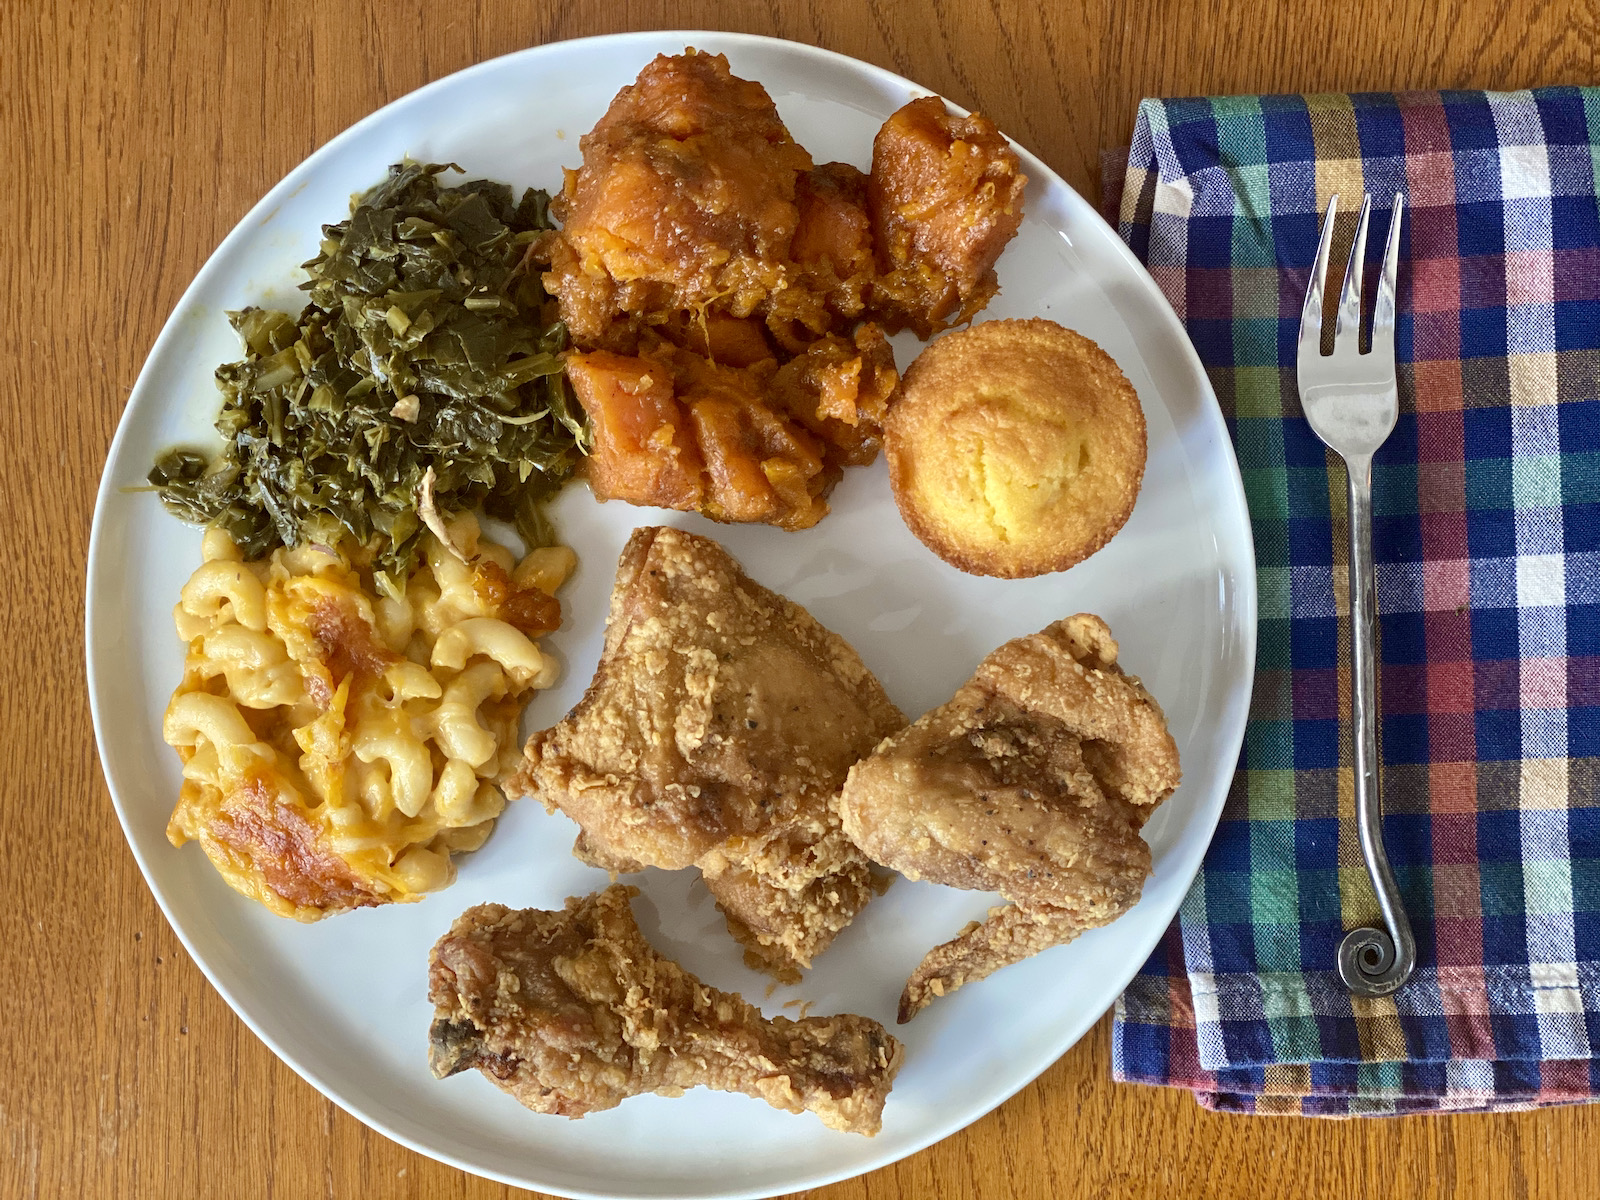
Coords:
pixel 644 451
pixel 764 430
pixel 779 437
pixel 760 466
pixel 838 383
pixel 699 237
pixel 739 490
pixel 796 317
pixel 945 196
pixel 879 378
pixel 680 96
pixel 527 608
pixel 727 341
pixel 839 391
pixel 832 250
pixel 797 491
pixel 685 197
pixel 833 223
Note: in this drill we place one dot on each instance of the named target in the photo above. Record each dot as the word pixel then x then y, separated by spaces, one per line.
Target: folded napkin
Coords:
pixel 1487 539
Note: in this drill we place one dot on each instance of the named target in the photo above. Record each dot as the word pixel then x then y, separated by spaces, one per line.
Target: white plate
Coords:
pixel 343 1002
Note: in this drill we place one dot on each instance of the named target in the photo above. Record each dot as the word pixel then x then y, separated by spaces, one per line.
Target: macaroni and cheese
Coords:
pixel 340 744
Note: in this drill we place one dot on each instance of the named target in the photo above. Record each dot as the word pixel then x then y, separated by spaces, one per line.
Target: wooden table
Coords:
pixel 137 137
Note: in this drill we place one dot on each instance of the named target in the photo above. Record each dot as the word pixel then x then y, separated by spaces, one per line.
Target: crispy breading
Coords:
pixel 716 733
pixel 572 1012
pixel 1032 781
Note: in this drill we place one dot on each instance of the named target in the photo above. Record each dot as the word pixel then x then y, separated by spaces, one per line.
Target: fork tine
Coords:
pixel 1383 311
pixel 1311 312
pixel 1349 319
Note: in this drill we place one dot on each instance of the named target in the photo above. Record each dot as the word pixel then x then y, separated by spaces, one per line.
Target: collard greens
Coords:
pixel 425 344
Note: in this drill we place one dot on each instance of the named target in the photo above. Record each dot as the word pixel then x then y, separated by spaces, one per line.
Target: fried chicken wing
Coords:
pixel 572 1012
pixel 1032 781
pixel 716 733
pixel 945 196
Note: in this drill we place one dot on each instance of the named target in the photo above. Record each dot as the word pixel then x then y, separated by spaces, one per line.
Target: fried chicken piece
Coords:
pixel 1032 781
pixel 945 196
pixel 716 733
pixel 572 1012
pixel 686 197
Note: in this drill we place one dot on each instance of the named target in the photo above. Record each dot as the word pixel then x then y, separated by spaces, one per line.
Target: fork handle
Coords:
pixel 1372 962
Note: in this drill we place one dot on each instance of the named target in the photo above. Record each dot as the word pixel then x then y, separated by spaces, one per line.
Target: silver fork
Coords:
pixel 1350 399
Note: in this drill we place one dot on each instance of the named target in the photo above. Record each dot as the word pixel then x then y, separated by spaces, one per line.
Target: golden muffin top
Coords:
pixel 1016 448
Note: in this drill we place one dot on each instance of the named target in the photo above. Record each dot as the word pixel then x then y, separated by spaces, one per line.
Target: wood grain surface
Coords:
pixel 137 136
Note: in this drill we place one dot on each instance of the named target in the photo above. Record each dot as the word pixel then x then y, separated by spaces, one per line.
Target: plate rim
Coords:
pixel 1231 727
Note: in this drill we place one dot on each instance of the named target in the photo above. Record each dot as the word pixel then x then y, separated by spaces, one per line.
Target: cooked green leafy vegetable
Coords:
pixel 425 345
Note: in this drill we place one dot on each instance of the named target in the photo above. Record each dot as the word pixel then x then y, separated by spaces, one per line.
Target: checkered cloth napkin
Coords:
pixel 1486 532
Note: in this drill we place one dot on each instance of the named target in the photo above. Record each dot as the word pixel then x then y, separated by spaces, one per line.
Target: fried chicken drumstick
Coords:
pixel 1033 781
pixel 572 1012
pixel 716 733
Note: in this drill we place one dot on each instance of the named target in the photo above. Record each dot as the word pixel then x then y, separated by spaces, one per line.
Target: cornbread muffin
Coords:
pixel 1016 448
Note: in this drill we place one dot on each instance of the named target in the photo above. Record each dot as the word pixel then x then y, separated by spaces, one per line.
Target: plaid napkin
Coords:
pixel 1487 539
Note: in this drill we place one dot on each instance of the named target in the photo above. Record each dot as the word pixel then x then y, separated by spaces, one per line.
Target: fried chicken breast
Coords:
pixel 1033 781
pixel 716 733
pixel 572 1012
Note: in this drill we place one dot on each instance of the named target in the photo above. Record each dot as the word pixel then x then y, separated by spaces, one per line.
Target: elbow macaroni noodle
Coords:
pixel 338 745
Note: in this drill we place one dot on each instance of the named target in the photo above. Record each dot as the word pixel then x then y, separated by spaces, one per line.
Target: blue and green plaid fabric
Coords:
pixel 1487 538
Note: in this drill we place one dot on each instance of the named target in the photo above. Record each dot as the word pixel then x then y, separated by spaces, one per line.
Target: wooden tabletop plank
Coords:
pixel 139 135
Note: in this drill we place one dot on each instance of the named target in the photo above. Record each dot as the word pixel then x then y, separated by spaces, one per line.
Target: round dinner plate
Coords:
pixel 344 1001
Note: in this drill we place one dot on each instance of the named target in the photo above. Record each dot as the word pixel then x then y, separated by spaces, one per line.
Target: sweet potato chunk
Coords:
pixel 644 451
pixel 728 341
pixel 739 490
pixel 699 237
pixel 676 430
pixel 840 389
pixel 760 466
pixel 945 196
pixel 833 225
pixel 685 197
